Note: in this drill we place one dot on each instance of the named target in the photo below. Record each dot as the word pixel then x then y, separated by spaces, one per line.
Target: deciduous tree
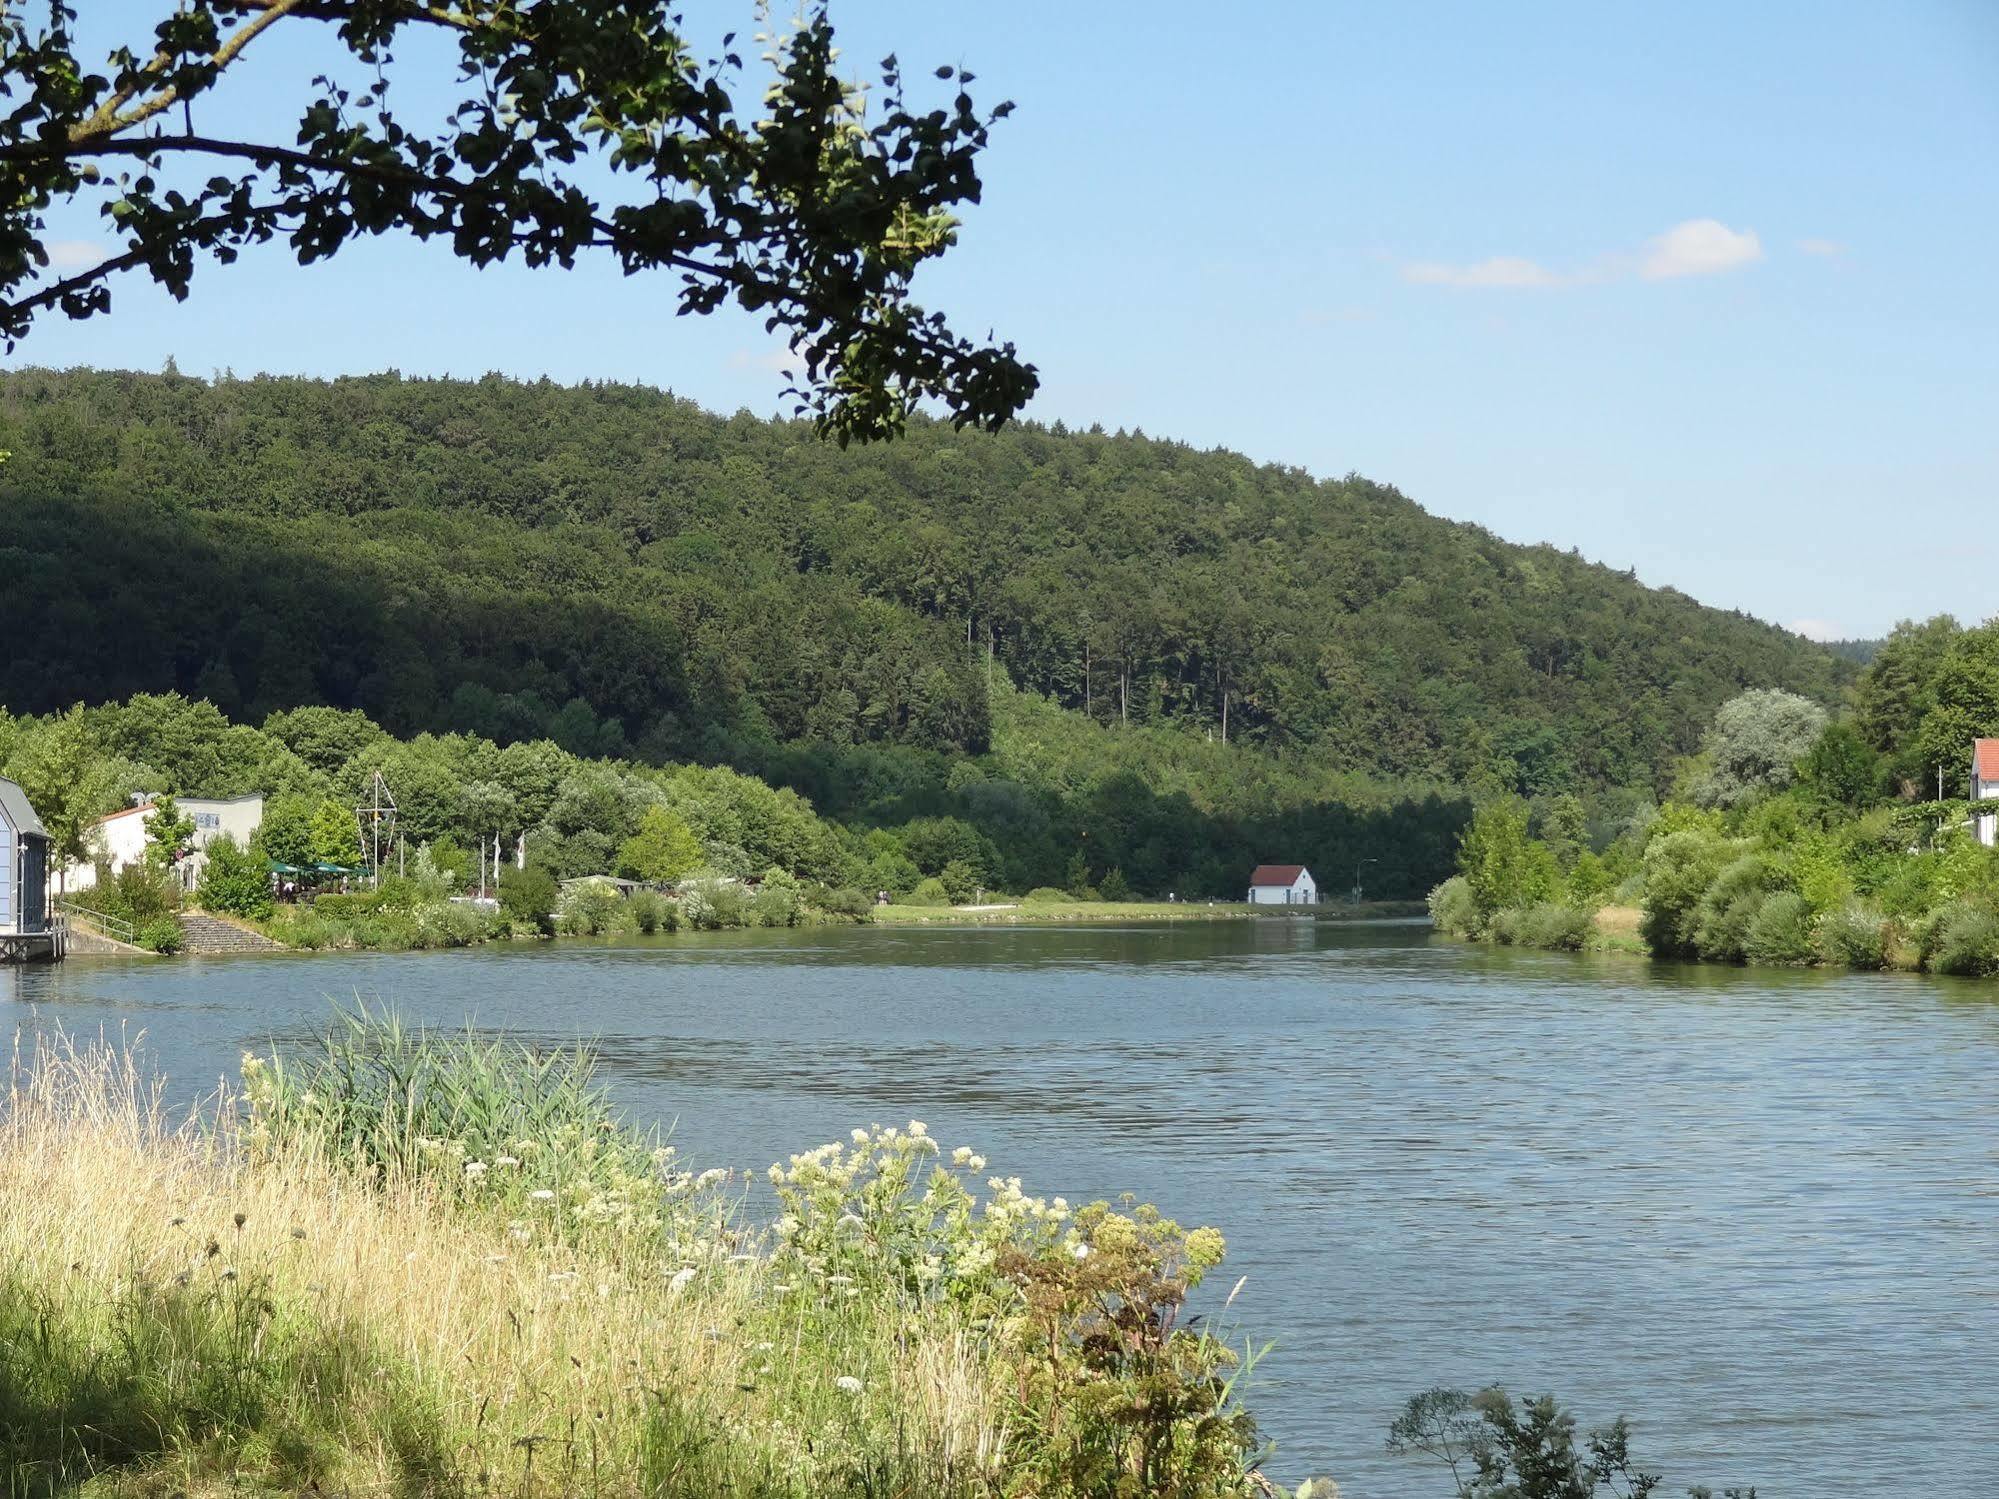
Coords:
pixel 574 126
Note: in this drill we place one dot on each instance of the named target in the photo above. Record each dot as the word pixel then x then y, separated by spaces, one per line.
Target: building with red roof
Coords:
pixel 1282 885
pixel 1985 787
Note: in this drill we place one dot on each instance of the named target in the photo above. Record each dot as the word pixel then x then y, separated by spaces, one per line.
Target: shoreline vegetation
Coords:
pixel 712 847
pixel 411 1262
pixel 1071 911
pixel 1791 839
pixel 425 1264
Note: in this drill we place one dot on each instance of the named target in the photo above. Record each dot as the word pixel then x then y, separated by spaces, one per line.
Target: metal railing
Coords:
pixel 110 926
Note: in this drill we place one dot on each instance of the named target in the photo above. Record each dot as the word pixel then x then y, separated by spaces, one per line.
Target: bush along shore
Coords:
pixel 1781 846
pixel 411 1263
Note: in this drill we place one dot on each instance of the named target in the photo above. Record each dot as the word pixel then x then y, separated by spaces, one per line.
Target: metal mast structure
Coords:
pixel 376 819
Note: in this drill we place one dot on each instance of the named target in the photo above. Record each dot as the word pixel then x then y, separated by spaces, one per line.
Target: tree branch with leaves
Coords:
pixel 579 126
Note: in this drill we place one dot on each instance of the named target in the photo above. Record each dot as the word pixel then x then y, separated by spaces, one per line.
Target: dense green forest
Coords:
pixel 1067 808
pixel 617 570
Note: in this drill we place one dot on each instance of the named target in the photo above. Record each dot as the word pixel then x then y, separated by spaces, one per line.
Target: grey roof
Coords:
pixel 15 807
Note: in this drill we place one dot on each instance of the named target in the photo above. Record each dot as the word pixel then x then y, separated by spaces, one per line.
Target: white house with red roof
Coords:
pixel 1985 787
pixel 1284 885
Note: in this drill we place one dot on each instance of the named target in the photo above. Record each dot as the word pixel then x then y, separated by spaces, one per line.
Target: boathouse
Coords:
pixel 24 875
pixel 1283 885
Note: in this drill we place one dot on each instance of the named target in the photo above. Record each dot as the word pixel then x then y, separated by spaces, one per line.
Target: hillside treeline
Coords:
pixel 625 574
pixel 1076 807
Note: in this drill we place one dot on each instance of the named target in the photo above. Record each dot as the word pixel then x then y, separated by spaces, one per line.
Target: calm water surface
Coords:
pixel 1759 1212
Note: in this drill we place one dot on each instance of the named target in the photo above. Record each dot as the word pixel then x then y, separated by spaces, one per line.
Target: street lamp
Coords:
pixel 1362 864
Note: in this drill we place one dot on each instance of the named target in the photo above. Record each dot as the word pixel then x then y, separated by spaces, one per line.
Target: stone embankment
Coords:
pixel 207 936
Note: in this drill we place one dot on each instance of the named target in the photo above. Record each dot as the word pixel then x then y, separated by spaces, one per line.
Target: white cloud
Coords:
pixel 1699 247
pixel 1501 270
pixel 1817 629
pixel 771 361
pixel 75 254
pixel 1821 247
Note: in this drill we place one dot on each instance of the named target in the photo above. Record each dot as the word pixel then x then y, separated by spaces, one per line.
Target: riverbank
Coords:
pixel 1004 913
pixel 413 1264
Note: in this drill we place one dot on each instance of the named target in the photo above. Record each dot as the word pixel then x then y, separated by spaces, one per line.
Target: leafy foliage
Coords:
pixel 1755 744
pixel 663 848
pixel 616 571
pixel 1495 1449
pixel 581 125
pixel 234 879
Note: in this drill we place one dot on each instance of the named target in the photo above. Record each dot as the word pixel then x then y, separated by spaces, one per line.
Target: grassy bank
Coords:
pixel 428 1266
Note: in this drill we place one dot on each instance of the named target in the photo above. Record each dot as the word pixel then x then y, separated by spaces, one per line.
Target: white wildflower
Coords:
pixel 846 1384
pixel 506 1160
pixel 475 1168
pixel 541 1194
pixel 679 1282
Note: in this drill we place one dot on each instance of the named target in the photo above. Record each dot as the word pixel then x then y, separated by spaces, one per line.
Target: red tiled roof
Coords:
pixel 1985 759
pixel 1285 875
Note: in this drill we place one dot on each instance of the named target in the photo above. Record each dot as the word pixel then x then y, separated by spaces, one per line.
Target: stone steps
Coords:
pixel 207 936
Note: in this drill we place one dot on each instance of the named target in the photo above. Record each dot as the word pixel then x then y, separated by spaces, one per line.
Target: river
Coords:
pixel 1757 1211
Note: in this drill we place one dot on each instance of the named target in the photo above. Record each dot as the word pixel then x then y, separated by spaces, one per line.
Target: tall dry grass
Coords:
pixel 178 1314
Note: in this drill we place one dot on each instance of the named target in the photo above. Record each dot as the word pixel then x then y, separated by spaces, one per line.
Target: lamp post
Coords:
pixel 1358 867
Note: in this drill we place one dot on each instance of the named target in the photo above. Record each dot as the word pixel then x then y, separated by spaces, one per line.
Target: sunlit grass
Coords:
pixel 420 1265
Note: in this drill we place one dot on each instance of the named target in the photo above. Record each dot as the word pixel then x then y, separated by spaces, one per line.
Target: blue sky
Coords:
pixel 1708 290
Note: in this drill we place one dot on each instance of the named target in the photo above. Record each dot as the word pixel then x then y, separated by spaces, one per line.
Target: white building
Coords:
pixel 120 837
pixel 1282 885
pixel 1985 787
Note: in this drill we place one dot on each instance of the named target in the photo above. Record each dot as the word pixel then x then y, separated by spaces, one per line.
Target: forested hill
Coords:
pixel 626 573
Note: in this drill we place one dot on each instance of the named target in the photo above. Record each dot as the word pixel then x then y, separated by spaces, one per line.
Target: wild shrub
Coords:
pixel 845 901
pixel 777 901
pixel 647 909
pixel 161 935
pixel 390 931
pixel 587 908
pixel 1678 868
pixel 141 893
pixel 336 907
pixel 1781 931
pixel 234 879
pixel 1115 1395
pixel 1552 925
pixel 303 927
pixel 1452 907
pixel 1529 1451
pixel 1853 936
pixel 929 892
pixel 1963 939
pixel 452 924
pixel 1114 886
pixel 1729 907
pixel 1047 895
pixel 527 896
